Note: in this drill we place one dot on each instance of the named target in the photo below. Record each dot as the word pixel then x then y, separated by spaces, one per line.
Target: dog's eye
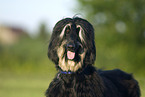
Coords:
pixel 67 30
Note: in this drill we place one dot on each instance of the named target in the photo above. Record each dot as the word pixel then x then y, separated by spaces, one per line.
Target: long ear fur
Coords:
pixel 89 39
pixel 90 56
pixel 55 40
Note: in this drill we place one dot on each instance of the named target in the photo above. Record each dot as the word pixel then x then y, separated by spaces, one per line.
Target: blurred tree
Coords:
pixel 120 30
pixel 43 31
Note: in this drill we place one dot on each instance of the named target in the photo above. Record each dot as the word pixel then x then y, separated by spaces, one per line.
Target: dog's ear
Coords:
pixel 90 55
pixel 89 38
pixel 55 40
pixel 52 53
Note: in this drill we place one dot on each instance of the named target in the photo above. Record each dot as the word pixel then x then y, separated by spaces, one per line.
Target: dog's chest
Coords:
pixel 77 86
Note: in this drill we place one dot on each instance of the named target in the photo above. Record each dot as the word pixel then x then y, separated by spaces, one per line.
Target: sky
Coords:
pixel 28 14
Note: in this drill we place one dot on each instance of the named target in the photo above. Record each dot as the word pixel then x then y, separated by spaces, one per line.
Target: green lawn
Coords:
pixel 32 85
pixel 23 85
pixel 141 81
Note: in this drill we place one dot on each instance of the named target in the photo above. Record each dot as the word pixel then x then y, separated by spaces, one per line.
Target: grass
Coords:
pixel 32 85
pixel 141 81
pixel 12 85
pixel 23 82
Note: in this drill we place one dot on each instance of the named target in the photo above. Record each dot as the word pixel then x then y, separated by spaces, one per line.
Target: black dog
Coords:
pixel 72 49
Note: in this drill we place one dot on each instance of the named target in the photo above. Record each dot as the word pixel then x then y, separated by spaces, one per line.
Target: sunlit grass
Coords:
pixel 141 81
pixel 24 85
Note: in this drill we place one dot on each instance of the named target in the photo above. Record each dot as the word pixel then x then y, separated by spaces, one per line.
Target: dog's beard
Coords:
pixel 70 60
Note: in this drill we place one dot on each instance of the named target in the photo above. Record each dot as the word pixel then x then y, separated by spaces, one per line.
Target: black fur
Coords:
pixel 85 80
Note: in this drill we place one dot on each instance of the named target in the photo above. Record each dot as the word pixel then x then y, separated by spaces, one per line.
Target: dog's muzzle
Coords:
pixel 71 47
pixel 72 50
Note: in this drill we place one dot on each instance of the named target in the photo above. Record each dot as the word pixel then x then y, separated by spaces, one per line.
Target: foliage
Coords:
pixel 43 31
pixel 120 32
pixel 26 55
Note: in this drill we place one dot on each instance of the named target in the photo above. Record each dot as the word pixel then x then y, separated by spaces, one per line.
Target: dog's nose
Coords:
pixel 70 46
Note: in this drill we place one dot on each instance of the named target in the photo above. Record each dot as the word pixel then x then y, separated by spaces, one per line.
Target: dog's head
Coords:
pixel 72 45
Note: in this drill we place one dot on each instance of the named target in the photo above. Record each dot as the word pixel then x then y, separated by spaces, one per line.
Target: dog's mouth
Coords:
pixel 73 51
pixel 71 55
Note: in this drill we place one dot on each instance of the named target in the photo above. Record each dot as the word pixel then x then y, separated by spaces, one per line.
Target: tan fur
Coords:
pixel 63 31
pixel 68 65
pixel 81 32
pixel 79 65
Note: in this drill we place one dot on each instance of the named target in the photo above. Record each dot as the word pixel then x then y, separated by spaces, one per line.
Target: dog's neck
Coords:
pixel 88 70
pixel 66 72
pixel 88 74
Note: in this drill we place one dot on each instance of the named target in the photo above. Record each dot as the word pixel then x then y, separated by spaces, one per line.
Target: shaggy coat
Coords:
pixel 72 49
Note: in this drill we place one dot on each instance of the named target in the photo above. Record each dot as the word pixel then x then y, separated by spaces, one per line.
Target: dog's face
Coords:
pixel 72 44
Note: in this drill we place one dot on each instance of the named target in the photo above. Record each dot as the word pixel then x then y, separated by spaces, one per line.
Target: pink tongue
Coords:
pixel 70 55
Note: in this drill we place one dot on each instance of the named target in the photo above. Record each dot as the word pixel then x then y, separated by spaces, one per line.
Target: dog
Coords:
pixel 72 49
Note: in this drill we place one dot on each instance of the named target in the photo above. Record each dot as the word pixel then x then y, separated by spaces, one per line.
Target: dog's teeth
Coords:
pixel 70 55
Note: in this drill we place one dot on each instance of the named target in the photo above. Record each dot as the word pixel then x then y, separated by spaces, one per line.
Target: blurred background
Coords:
pixel 26 26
